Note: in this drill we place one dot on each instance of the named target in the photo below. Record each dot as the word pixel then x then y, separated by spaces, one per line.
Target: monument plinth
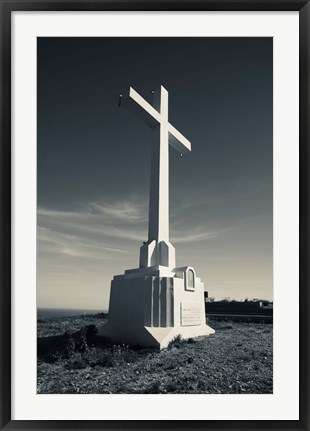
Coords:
pixel 153 304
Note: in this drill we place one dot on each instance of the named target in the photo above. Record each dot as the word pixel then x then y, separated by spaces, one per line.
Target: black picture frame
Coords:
pixel 9 6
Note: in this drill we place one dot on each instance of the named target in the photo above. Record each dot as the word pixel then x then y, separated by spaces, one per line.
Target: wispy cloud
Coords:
pixel 184 206
pixel 75 246
pixel 126 211
pixel 97 223
pixel 197 234
pixel 82 248
pixel 92 223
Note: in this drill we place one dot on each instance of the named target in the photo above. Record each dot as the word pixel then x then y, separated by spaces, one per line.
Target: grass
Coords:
pixel 236 359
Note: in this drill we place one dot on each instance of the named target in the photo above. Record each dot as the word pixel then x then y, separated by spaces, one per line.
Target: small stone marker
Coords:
pixel 153 304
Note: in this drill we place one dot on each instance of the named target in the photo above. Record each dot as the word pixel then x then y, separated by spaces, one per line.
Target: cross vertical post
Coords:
pixel 159 181
pixel 158 251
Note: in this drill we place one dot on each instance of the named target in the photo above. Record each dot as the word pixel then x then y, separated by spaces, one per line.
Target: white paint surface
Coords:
pixel 147 307
pixel 161 252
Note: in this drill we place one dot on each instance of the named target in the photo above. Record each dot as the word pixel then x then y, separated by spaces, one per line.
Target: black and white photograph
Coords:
pixel 155 215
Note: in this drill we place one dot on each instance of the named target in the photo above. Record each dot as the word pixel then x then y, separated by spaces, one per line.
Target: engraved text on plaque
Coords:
pixel 190 314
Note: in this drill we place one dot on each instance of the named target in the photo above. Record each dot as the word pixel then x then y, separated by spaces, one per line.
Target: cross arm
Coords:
pixel 141 108
pixel 178 141
pixel 153 118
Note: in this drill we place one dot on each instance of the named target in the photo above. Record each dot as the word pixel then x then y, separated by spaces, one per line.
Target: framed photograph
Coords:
pixel 154 215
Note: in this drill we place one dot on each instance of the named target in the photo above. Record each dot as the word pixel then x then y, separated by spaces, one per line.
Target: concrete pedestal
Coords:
pixel 152 306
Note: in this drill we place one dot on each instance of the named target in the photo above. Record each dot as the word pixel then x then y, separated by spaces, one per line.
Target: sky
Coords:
pixel 93 163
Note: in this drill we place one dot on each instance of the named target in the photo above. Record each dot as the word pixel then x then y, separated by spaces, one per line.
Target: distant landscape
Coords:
pixel 72 359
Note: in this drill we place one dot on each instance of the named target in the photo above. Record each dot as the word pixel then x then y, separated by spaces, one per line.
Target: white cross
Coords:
pixel 156 116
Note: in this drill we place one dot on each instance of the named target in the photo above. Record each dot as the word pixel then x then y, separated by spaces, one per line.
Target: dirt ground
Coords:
pixel 73 360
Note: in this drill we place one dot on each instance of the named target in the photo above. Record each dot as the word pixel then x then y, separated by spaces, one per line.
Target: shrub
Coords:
pixel 154 388
pixel 97 357
pixel 176 342
pixel 76 362
pixel 171 387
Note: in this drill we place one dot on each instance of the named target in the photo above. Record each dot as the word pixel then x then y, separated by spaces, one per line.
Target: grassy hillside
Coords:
pixel 72 359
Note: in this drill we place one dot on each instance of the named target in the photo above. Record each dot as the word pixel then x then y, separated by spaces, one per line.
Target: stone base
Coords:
pixel 152 306
pixel 136 335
